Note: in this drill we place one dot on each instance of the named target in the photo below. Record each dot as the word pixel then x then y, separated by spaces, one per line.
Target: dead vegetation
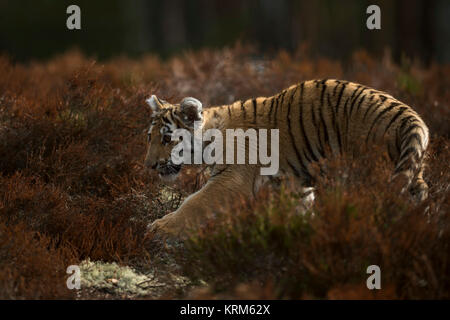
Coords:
pixel 72 184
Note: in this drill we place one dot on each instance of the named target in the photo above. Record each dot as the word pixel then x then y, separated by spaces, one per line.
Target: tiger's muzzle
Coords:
pixel 167 170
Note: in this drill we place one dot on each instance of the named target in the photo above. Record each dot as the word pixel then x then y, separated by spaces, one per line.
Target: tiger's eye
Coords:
pixel 167 138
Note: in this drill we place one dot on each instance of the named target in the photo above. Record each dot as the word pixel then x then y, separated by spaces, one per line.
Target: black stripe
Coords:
pixel 406 152
pixel 325 132
pixel 254 110
pixel 392 106
pixel 279 104
pixel 397 146
pixel 335 88
pixel 344 114
pixel 290 104
pixel 370 107
pixel 340 97
pixel 296 172
pixel 271 107
pixel 413 126
pixel 302 126
pixel 335 124
pixel 264 105
pixel 322 95
pixel 402 161
pixel 305 155
pixel 276 108
pixel 229 111
pixel 338 129
pixel 333 112
pixel 243 109
pixel 354 92
pixel 297 153
pixel 353 102
pixel 321 147
pixel 412 137
pixel 359 105
pixel 398 114
pixel 400 168
pixel 291 135
pixel 405 121
pixel 313 115
pixel 395 104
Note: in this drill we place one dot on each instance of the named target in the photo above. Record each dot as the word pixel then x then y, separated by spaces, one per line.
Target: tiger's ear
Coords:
pixel 191 110
pixel 154 103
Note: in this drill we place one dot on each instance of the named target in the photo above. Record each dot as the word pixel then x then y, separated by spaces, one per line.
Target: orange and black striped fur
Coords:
pixel 312 117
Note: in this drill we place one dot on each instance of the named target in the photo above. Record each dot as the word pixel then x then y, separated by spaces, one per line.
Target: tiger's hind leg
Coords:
pixel 410 173
pixel 413 183
pixel 418 187
pixel 412 140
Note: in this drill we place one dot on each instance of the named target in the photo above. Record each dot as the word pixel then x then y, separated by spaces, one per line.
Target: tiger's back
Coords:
pixel 341 116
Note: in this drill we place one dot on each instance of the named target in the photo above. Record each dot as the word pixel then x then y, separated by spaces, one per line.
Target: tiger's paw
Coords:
pixel 169 226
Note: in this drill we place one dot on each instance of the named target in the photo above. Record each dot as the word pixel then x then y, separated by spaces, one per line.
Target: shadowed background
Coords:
pixel 74 191
pixel 329 28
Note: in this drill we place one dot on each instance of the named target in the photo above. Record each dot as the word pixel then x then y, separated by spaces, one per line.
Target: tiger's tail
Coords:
pixel 412 142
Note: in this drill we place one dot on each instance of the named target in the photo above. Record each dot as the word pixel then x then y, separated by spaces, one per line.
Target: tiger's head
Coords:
pixel 166 118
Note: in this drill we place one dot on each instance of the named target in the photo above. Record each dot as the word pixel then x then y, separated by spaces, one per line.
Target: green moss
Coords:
pixel 117 279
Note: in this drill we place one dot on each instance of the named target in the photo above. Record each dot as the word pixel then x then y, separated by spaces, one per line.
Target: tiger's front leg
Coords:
pixel 220 193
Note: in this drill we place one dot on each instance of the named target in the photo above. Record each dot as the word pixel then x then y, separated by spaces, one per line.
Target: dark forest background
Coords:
pixel 74 189
pixel 330 28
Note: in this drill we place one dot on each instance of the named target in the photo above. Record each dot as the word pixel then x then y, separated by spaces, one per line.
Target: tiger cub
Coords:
pixel 312 117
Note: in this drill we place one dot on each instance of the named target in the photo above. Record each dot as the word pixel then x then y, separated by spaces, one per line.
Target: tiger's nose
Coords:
pixel 150 164
pixel 154 165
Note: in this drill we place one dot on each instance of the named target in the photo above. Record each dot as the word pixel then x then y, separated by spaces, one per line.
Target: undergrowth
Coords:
pixel 73 186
